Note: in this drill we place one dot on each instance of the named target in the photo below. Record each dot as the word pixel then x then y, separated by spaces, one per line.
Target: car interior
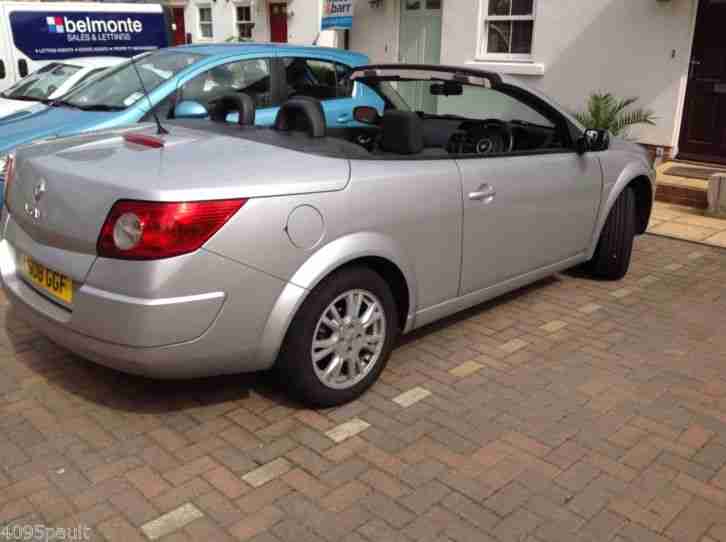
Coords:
pixel 400 132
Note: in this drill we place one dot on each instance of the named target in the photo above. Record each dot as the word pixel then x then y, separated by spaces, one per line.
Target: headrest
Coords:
pixel 402 132
pixel 301 115
pixel 234 102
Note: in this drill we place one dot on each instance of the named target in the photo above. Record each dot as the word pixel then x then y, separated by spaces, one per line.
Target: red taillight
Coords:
pixel 9 175
pixel 145 230
pixel 144 140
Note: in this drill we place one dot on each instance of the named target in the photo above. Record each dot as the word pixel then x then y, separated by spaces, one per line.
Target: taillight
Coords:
pixel 9 175
pixel 145 230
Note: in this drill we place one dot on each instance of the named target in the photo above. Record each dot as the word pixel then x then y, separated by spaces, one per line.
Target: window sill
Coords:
pixel 509 68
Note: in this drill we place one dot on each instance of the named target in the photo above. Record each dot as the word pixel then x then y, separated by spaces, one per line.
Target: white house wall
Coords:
pixel 620 46
pixel 302 25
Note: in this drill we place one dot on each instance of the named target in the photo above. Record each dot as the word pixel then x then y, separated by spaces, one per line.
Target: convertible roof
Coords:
pixel 427 72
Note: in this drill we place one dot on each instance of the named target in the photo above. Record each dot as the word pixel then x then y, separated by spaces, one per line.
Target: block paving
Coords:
pixel 571 410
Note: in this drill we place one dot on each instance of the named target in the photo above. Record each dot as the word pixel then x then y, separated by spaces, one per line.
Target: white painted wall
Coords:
pixel 620 46
pixel 302 25
pixel 375 30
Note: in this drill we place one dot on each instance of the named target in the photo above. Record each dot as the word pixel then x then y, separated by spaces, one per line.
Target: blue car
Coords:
pixel 192 81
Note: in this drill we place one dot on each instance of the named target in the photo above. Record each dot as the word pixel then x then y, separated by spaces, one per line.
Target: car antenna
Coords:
pixel 160 130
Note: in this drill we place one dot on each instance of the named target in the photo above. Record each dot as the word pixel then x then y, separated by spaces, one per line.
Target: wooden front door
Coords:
pixel 180 32
pixel 278 23
pixel 703 130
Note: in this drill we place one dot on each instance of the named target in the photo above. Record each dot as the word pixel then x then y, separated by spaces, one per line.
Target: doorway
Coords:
pixel 703 128
pixel 278 23
pixel 420 43
pixel 180 32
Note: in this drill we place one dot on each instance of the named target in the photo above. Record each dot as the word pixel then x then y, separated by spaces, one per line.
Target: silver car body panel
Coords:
pixel 533 219
pixel 227 307
pixel 621 163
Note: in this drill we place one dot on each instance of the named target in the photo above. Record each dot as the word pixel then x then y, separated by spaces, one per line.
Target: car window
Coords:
pixel 319 79
pixel 249 76
pixel 486 103
pixel 457 114
pixel 87 78
pixel 120 87
pixel 42 83
pixel 469 101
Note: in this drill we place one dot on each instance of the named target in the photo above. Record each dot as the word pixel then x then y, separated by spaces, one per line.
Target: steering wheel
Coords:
pixel 491 136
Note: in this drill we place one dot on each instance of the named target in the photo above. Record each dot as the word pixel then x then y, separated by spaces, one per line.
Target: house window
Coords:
pixel 244 22
pixel 205 23
pixel 507 29
pixel 416 5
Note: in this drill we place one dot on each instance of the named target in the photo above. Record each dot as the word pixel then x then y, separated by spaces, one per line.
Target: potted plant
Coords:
pixel 606 112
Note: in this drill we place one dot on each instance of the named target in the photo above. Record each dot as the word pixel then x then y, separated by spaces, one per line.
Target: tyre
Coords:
pixel 340 339
pixel 612 255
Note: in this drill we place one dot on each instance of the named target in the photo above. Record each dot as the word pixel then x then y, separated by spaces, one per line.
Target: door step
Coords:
pixel 681 190
pixel 682 195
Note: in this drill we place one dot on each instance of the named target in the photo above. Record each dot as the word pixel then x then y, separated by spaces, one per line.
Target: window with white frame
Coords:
pixel 244 22
pixel 205 22
pixel 507 29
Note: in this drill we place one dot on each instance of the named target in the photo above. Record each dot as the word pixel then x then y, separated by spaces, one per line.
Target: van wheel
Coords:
pixel 340 339
pixel 614 248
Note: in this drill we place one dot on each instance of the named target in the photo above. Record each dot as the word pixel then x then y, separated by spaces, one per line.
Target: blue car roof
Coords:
pixel 349 58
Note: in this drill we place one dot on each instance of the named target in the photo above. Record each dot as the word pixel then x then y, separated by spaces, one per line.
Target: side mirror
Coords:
pixel 593 140
pixel 189 109
pixel 366 114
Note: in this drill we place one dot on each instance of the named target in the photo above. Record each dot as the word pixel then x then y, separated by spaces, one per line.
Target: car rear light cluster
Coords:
pixel 145 230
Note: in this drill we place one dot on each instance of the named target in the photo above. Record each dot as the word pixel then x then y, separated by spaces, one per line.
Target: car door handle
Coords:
pixel 484 193
pixel 344 118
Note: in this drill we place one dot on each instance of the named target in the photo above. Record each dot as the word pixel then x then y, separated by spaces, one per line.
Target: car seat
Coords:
pixel 301 115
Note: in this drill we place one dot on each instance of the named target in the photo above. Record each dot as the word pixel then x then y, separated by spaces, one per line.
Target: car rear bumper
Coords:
pixel 153 331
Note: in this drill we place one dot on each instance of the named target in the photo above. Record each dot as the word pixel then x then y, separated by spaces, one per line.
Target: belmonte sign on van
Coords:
pixel 33 33
pixel 54 35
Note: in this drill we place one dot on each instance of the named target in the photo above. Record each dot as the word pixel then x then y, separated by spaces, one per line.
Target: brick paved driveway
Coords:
pixel 571 410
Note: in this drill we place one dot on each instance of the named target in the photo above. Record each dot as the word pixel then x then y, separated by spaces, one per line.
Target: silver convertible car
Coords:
pixel 209 248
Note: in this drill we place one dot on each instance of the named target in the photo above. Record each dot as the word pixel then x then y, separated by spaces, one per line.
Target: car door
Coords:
pixel 250 76
pixel 531 207
pixel 326 81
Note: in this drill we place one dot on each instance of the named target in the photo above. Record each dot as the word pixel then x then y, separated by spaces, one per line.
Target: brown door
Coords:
pixel 180 33
pixel 703 132
pixel 278 23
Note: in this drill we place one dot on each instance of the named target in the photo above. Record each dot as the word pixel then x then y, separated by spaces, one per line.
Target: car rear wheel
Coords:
pixel 612 255
pixel 340 339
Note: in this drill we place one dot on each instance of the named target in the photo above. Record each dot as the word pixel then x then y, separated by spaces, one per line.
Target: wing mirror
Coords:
pixel 189 109
pixel 366 114
pixel 594 141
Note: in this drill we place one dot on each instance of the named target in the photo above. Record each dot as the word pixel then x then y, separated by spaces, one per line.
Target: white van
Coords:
pixel 33 34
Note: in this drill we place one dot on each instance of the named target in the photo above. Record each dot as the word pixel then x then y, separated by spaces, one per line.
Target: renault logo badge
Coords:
pixel 32 210
pixel 39 190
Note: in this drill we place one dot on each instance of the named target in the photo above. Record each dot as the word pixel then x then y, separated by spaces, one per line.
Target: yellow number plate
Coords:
pixel 56 284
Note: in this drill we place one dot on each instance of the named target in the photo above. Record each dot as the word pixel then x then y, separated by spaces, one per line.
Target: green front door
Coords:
pixel 420 43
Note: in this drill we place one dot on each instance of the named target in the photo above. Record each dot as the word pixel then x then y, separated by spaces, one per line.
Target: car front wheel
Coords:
pixel 612 255
pixel 340 339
